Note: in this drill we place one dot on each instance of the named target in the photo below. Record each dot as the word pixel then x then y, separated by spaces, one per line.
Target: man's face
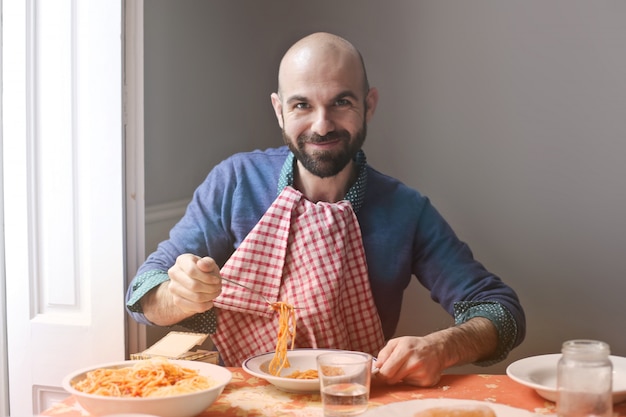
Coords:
pixel 325 156
pixel 323 112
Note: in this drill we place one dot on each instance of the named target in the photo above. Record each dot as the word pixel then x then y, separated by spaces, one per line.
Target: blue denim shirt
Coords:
pixel 403 236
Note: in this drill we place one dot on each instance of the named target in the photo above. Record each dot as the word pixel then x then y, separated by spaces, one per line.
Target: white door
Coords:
pixel 63 189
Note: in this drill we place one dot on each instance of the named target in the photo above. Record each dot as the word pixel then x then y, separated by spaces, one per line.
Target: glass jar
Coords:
pixel 585 380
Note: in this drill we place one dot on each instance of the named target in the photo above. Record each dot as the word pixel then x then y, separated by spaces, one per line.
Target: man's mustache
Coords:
pixel 315 138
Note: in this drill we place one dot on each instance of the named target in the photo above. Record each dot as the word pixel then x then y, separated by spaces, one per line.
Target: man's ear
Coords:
pixel 278 109
pixel 371 100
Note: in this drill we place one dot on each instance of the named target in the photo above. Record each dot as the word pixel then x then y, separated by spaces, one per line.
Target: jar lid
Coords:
pixel 586 348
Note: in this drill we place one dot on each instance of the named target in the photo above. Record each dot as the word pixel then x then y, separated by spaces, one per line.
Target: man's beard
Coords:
pixel 326 163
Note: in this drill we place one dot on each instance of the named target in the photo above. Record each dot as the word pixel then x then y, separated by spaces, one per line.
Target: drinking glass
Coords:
pixel 344 382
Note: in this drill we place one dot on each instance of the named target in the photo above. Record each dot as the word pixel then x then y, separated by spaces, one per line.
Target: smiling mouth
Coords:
pixel 324 142
pixel 329 137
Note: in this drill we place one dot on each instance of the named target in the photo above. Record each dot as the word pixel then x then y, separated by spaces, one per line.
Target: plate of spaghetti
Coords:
pixel 299 374
pixel 161 387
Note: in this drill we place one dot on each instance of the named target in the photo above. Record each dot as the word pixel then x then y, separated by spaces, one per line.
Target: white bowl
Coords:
pixel 184 405
pixel 299 359
pixel 539 373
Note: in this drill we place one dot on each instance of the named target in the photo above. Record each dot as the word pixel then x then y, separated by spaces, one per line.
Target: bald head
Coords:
pixel 321 53
pixel 323 105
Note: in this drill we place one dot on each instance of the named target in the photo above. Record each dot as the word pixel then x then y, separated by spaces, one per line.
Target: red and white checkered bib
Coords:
pixel 309 255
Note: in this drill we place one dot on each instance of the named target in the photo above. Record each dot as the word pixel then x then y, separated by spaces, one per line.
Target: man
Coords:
pixel 341 241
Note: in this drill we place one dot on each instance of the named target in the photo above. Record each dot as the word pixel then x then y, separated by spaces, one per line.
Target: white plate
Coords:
pixel 299 359
pixel 408 408
pixel 539 373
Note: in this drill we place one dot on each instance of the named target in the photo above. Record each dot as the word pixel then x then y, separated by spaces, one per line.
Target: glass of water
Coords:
pixel 344 382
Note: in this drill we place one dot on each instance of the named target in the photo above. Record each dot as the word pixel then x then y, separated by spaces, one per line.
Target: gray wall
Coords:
pixel 509 115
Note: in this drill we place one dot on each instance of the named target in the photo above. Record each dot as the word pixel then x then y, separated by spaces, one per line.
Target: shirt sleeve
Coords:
pixel 202 323
pixel 200 231
pixel 140 287
pixel 499 316
pixel 462 285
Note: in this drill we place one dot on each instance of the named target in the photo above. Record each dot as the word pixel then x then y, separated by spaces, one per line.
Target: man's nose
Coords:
pixel 323 123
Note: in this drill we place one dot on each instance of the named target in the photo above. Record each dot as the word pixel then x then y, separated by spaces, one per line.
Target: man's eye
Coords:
pixel 301 106
pixel 342 102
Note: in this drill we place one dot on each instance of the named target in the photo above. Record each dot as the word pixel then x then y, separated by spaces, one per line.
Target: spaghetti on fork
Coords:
pixel 285 338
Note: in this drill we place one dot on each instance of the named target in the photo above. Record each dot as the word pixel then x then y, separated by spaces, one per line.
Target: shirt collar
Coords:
pixel 356 193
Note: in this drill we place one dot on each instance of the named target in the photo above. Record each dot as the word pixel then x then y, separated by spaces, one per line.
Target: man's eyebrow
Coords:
pixel 343 94
pixel 296 98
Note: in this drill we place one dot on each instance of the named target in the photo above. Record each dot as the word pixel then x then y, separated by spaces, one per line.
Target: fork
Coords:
pixel 249 289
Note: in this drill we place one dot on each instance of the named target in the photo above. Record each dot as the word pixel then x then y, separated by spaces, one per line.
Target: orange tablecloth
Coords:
pixel 248 396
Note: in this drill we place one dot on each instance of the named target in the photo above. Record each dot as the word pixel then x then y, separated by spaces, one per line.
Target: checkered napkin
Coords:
pixel 259 261
pixel 309 255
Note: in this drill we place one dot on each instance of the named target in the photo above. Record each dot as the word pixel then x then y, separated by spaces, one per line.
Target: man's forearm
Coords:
pixel 473 341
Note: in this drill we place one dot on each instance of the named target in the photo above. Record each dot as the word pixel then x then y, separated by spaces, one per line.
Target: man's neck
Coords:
pixel 330 189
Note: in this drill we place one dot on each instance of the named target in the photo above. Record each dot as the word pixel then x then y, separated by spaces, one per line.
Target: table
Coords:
pixel 248 396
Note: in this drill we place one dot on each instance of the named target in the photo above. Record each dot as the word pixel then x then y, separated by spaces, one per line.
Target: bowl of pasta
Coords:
pixel 162 387
pixel 299 376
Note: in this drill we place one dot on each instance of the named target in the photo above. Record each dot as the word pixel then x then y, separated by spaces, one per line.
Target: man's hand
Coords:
pixel 194 283
pixel 420 361
pixel 413 360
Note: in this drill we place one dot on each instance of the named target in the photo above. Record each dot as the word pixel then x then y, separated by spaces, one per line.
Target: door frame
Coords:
pixel 134 158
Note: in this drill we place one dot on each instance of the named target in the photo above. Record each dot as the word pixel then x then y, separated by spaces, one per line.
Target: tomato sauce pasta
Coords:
pixel 286 334
pixel 149 378
pixel 308 374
